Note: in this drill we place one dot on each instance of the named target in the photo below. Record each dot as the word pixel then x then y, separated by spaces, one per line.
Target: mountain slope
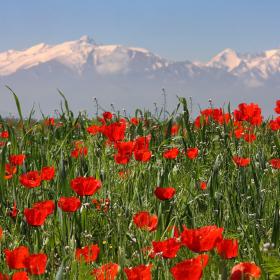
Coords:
pixel 131 77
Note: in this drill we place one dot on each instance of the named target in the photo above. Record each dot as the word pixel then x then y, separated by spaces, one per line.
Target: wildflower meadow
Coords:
pixel 149 196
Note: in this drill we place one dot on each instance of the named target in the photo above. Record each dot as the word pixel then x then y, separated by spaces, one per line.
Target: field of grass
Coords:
pixel 220 205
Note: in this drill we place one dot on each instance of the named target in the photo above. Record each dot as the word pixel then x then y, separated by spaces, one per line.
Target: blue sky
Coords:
pixel 178 30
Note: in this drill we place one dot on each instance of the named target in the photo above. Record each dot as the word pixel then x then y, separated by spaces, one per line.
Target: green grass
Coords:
pixel 244 201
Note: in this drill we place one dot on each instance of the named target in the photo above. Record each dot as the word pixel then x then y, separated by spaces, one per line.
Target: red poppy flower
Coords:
pixel 1 233
pixel 16 159
pixel 277 108
pixel 242 162
pixel 140 272
pixel 274 125
pixel 36 264
pixel 228 248
pixel 20 275
pixel 203 185
pixel 245 271
pixel 10 170
pixel 49 122
pixel 125 150
pixel 48 205
pixel 75 153
pixel 69 204
pixel 107 115
pixel 107 271
pixel 201 239
pixel 142 155
pixel 121 159
pixel 85 186
pixel 142 142
pixel 4 134
pixel 192 153
pixel 248 112
pixel 134 121
pixel 171 153
pixel 145 220
pixel 87 253
pixel 174 129
pixel 164 193
pixel 201 121
pixel 31 179
pixel 239 132
pixel 115 131
pixel 141 148
pixel 275 163
pixel 93 129
pixel 218 116
pixel 190 269
pixel 215 114
pixel 14 211
pixel 167 248
pixel 250 137
pixel 36 216
pixel 80 150
pixel 225 118
pixel 15 259
pixel 4 276
pixel 47 173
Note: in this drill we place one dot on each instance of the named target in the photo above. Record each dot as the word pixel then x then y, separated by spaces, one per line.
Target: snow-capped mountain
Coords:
pixel 78 55
pixel 130 76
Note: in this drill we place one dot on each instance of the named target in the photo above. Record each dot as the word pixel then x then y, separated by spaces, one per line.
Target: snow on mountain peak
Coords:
pixel 35 49
pixel 84 53
pixel 271 53
pixel 73 54
pixel 228 59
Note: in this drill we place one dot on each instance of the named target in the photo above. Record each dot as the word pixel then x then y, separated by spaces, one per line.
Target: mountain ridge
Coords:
pixel 110 59
pixel 129 76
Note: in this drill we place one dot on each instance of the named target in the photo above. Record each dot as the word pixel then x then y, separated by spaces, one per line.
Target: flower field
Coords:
pixel 143 197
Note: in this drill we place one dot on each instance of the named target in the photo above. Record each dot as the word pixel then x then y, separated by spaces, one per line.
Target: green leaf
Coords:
pixel 18 107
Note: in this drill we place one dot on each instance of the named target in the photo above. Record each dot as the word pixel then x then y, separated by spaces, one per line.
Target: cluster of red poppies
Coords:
pixel 33 179
pixel 36 216
pixel 4 134
pixel 21 259
pixel 79 150
pixel 139 147
pixel 115 133
pixel 83 186
pixel 198 240
pixel 215 114
pixel 250 113
pixel 172 153
pixel 274 124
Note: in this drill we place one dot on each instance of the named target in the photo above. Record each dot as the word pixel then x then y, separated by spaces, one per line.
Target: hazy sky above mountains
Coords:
pixel 178 30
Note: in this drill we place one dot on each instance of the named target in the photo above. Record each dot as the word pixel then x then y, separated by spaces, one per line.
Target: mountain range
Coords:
pixel 130 77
